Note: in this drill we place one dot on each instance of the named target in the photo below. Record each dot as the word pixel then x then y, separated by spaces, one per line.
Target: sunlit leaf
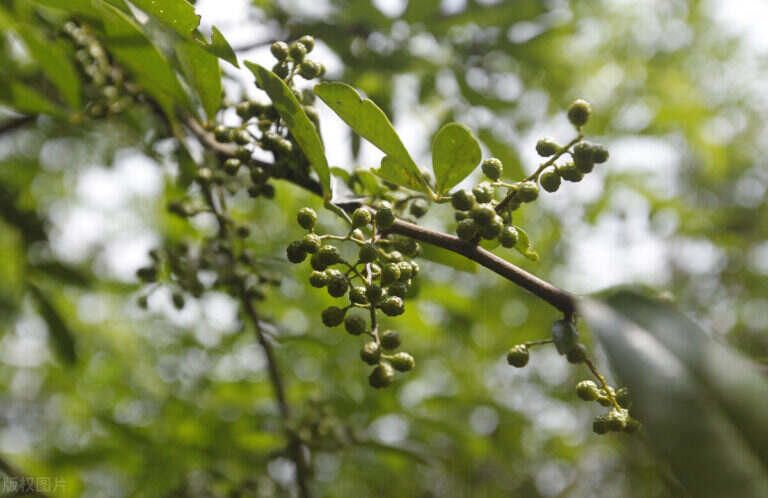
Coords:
pixel 523 245
pixel 455 154
pixel 203 72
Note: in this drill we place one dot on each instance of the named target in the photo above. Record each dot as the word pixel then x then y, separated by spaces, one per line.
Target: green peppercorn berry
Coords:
pixel 374 293
pixel 355 324
pixel 242 110
pixel 295 252
pixel 483 192
pixel 600 424
pixel 616 421
pixel 231 166
pixel 577 354
pixel 492 229
pixel 147 274
pixel 279 50
pixel 370 353
pixel 357 234
pixel 318 279
pixel 579 113
pixel 406 270
pixel 297 51
pixel 509 236
pixel 390 339
pixel 259 175
pixel 178 300
pixel 393 306
pixel 357 295
pixel 308 42
pixel 604 400
pixel 518 356
pixel 599 154
pixel 492 168
pixel 333 316
pixel 381 376
pixel 142 302
pixel 419 208
pixel 316 263
pixel 204 175
pixel 570 172
pixel 329 255
pixel 385 216
pixel 255 109
pixel 398 289
pixel 483 214
pixel 622 397
pixel 547 147
pixel 222 134
pixel 309 69
pixel 587 390
pixel 415 269
pixel 241 137
pixel 281 69
pixel 549 180
pixel 395 256
pixel 403 362
pixel 631 425
pixel 307 217
pixel 337 285
pixel 243 153
pixel 460 215
pixel 389 273
pixel 368 253
pixel 528 191
pixel 582 157
pixel 462 200
pixel 467 229
pixel 311 243
pixel 361 217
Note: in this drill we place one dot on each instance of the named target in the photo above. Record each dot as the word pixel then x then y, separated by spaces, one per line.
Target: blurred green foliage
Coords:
pixel 117 401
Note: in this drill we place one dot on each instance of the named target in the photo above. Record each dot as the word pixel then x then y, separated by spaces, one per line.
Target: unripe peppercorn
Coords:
pixel 374 293
pixel 357 295
pixel 582 157
pixel 317 263
pixel 577 354
pixel 599 154
pixel 329 255
pixel 393 306
pixel 385 216
pixel 547 147
pixel 460 215
pixel 528 191
pixel 467 229
pixel 518 356
pixel 381 376
pixel 403 362
pixel 204 175
pixel 297 51
pixel 483 192
pixel 600 424
pixel 178 300
pixel 549 180
pixel 311 243
pixel 309 69
pixel 370 353
pixel 361 217
pixel 355 324
pixel 259 175
pixel 333 316
pixel 622 397
pixel 587 390
pixel 406 270
pixel 462 200
pixel 616 421
pixel 318 279
pixel 281 69
pixel 241 137
pixel 295 252
pixel 419 208
pixel 389 273
pixel 231 166
pixel 398 289
pixel 337 285
pixel 307 217
pixel 492 168
pixel 242 110
pixel 368 253
pixel 579 113
pixel 243 153
pixel 390 339
pixel 508 236
pixel 492 230
pixel 222 134
pixel 570 172
pixel 483 214
pixel 308 41
pixel 279 50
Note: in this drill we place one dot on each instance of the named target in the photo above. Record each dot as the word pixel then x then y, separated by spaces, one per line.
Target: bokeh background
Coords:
pixel 166 402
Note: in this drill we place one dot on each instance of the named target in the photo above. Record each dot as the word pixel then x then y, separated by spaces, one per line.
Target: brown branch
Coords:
pixel 15 123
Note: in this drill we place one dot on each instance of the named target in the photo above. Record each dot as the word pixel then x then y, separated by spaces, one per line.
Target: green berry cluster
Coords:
pixel 376 280
pixel 108 91
pixel 617 419
pixel 482 215
pixel 292 59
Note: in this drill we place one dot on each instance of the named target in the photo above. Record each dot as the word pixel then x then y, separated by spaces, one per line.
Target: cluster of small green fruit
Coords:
pixel 110 92
pixel 378 279
pixel 292 59
pixel 480 215
pixel 617 419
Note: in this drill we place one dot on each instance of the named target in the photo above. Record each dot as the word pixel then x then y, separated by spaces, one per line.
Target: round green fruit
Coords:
pixel 492 168
pixel 370 353
pixel 402 362
pixel 381 376
pixel 579 113
pixel 333 316
pixel 518 356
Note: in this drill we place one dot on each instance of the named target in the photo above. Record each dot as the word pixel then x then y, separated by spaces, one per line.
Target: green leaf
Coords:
pixel 701 403
pixel 523 245
pixel 370 122
pixel 54 63
pixel 187 166
pixel 369 181
pixel 455 154
pixel 447 258
pixel 127 42
pixel 180 16
pixel 62 338
pixel 24 99
pixel 203 72
pixel 564 336
pixel 341 173
pixel 292 113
